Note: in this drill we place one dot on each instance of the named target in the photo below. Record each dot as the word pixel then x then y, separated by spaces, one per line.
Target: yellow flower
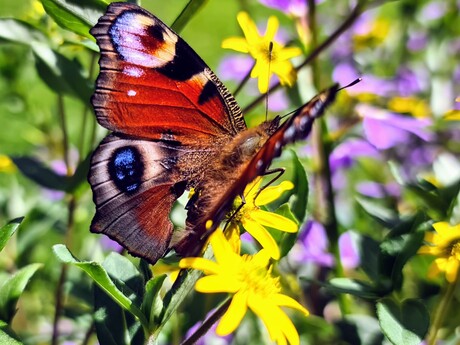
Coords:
pixel 271 57
pixel 254 220
pixel 252 285
pixel 445 244
pixel 6 164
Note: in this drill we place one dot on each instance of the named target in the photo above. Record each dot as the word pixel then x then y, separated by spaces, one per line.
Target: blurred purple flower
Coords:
pixel 385 129
pixel 417 41
pixel 349 255
pixel 210 338
pixel 434 10
pixel 379 190
pixel 235 67
pixel 345 153
pixel 110 245
pixel 313 244
pixel 408 82
pixel 296 8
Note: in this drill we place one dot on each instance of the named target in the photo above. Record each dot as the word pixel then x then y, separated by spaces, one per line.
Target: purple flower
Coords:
pixel 235 67
pixel 379 190
pixel 210 338
pixel 313 245
pixel 345 153
pixel 296 8
pixel 110 245
pixel 385 129
pixel 349 255
pixel 417 41
pixel 434 10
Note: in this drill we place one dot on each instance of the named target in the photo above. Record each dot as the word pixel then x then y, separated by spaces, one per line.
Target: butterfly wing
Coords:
pixel 162 102
pixel 134 186
pixel 298 127
pixel 153 85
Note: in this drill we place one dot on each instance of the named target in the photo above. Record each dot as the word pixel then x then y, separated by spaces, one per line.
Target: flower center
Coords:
pixel 257 279
pixel 454 249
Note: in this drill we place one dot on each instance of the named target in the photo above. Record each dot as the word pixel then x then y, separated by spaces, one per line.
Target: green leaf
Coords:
pixel 300 180
pixel 77 16
pixel 8 230
pixel 61 74
pixel 352 287
pixel 285 240
pixel 187 13
pixel 152 304
pixel 406 323
pixel 100 276
pixel 20 32
pixel 12 288
pixel 382 214
pixel 7 336
pixel 37 172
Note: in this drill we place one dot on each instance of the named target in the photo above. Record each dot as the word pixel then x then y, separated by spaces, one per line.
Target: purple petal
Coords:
pixel 378 190
pixel 345 154
pixel 235 67
pixel 348 251
pixel 315 244
pixel 382 135
pixel 434 10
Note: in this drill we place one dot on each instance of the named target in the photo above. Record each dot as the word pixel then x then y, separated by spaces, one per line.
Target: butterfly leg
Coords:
pixel 278 171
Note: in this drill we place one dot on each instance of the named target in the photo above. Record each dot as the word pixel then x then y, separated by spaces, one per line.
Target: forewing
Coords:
pixel 153 85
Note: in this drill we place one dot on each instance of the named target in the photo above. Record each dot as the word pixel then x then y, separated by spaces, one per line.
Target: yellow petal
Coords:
pixel 252 189
pixel 217 283
pixel 262 236
pixel 288 53
pixel 235 313
pixel 233 236
pixel 236 43
pixel 451 269
pixel 264 76
pixel 271 193
pixel 261 258
pixel 272 28
pixel 264 310
pixel 223 251
pixel 274 220
pixel 286 301
pixel 207 266
pixel 249 28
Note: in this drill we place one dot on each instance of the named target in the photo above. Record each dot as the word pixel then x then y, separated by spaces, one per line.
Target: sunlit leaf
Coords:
pixel 8 230
pixel 76 16
pixel 6 335
pixel 100 276
pixel 403 323
pixel 12 288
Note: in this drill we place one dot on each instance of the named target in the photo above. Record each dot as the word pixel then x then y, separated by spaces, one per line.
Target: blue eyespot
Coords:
pixel 126 169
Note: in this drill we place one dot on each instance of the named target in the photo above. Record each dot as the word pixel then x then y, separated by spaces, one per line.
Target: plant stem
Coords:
pixel 70 222
pixel 207 324
pixel 442 309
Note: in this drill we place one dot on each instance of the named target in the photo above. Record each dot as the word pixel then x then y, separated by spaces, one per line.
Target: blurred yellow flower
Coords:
pixel 250 280
pixel 271 57
pixel 253 219
pixel 445 245
pixel 417 107
pixel 6 164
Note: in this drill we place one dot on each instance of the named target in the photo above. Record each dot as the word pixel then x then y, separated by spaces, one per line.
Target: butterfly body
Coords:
pixel 175 127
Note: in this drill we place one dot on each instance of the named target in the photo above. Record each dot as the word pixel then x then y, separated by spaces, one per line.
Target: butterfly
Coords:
pixel 175 126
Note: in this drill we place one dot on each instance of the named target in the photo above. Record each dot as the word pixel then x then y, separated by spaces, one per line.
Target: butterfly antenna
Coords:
pixel 354 82
pixel 270 51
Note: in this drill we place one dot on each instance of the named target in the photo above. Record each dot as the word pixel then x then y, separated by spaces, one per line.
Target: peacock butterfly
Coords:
pixel 175 127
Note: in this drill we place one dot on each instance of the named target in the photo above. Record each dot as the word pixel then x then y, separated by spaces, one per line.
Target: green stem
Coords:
pixel 207 324
pixel 442 309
